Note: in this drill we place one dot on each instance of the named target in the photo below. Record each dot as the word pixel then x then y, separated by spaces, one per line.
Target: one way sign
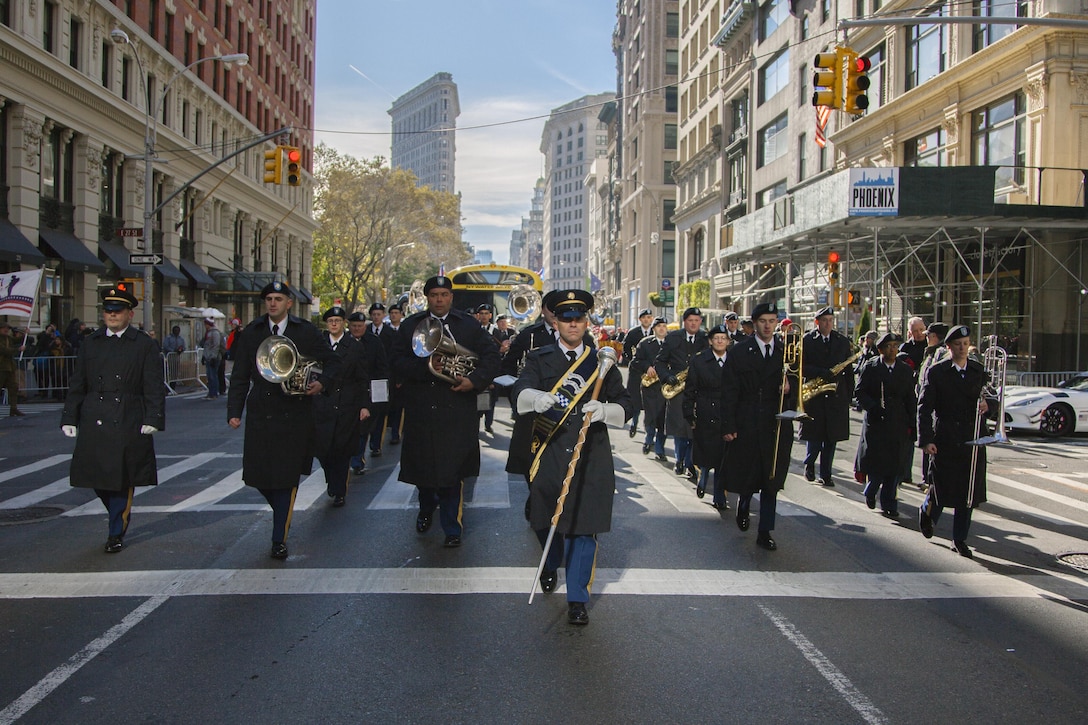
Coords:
pixel 137 260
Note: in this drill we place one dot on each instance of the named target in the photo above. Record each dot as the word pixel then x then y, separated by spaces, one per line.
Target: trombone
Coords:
pixel 792 362
pixel 995 361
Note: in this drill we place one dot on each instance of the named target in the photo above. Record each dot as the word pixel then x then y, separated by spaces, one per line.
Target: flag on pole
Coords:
pixel 595 283
pixel 442 270
pixel 823 115
pixel 18 292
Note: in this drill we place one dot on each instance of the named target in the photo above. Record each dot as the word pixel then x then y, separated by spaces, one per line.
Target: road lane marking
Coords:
pixel 1064 479
pixel 60 675
pixel 1038 492
pixel 34 467
pixel 206 498
pixel 835 677
pixel 513 580
pixel 94 507
pixel 491 489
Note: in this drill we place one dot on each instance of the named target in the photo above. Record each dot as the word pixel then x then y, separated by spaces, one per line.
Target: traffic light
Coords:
pixel 273 166
pixel 294 165
pixel 833 267
pixel 827 80
pixel 853 298
pixel 854 98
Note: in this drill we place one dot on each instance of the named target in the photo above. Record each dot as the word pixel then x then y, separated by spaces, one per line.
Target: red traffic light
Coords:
pixel 832 257
pixel 294 155
pixel 862 65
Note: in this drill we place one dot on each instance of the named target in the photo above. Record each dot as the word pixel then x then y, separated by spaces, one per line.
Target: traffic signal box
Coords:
pixel 833 276
pixel 273 166
pixel 294 165
pixel 854 98
pixel 827 80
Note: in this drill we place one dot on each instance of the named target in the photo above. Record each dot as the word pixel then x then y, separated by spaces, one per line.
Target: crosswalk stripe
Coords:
pixel 1062 478
pixel 93 508
pixel 490 490
pixel 208 496
pixel 32 498
pixel 33 467
pixel 515 580
pixel 1038 492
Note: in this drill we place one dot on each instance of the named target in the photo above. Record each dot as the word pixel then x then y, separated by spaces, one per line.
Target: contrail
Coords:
pixel 364 75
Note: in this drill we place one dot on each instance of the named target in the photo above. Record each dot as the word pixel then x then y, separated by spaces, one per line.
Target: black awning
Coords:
pixel 14 247
pixel 67 247
pixel 170 272
pixel 197 275
pixel 118 255
pixel 304 295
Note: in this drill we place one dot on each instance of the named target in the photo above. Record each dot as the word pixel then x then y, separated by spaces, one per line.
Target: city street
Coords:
pixel 855 618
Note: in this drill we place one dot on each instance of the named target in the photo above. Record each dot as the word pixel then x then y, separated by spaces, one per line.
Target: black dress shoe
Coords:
pixel 700 490
pixel 661 457
pixel 358 470
pixel 452 541
pixel 394 441
pixel 692 474
pixel 810 473
pixel 925 523
pixel 645 448
pixel 961 548
pixel 279 551
pixel 764 540
pixel 337 501
pixel 375 453
pixel 548 580
pixel 742 520
pixel 827 482
pixel 723 506
pixel 678 468
pixel 870 501
pixel 889 514
pixel 113 545
pixel 633 432
pixel 423 522
pixel 488 429
pixel 576 613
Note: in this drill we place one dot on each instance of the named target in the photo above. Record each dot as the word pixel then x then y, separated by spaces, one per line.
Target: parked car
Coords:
pixel 1051 411
pixel 1079 377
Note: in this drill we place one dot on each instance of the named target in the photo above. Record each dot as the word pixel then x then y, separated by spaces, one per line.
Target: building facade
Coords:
pixel 572 138
pixel 74 102
pixel 424 122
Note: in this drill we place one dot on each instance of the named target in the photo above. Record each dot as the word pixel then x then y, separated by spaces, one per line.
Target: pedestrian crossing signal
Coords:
pixel 294 165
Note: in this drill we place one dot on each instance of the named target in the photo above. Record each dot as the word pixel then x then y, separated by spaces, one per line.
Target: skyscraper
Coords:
pixel 424 128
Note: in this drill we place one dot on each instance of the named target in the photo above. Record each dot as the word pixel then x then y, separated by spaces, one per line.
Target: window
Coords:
pixel 670 136
pixel 768 195
pixel 111 200
pixel 107 64
pixel 668 208
pixel 984 35
pixel 774 76
pixel 998 138
pixel 802 172
pixel 772 141
pixel 926 150
pixel 670 99
pixel 738 112
pixel 75 38
pixel 825 10
pixel 877 86
pixel 672 62
pixel 153 18
pixel 49 19
pixel 5 12
pixel 926 51
pixel 672 25
pixel 126 78
pixel 737 169
pixel 772 14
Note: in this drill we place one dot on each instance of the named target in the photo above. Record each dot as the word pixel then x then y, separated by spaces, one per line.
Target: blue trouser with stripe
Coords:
pixel 580 561
pixel 449 500
pixel 282 501
pixel 119 507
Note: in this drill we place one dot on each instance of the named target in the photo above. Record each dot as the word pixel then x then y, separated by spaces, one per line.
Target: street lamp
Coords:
pixel 385 267
pixel 120 37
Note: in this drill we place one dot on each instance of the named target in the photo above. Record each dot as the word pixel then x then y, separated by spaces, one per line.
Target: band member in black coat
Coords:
pixel 653 402
pixel 116 400
pixel 948 407
pixel 484 313
pixel 702 410
pixel 630 341
pixel 732 323
pixel 394 416
pixel 344 406
pixel 279 439
pixel 823 349
pixel 673 359
pixel 555 389
pixel 374 351
pixel 386 335
pixel 441 446
pixel 753 387
pixel 885 391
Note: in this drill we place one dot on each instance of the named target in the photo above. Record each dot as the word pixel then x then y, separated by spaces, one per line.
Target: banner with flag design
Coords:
pixel 18 291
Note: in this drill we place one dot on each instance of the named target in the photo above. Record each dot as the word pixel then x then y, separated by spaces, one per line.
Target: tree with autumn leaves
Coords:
pixel 378 230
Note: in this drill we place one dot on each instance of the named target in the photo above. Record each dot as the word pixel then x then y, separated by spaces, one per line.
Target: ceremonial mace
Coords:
pixel 606 358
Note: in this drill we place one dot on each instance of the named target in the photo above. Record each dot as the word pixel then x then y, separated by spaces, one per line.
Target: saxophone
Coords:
pixel 649 378
pixel 671 391
pixel 819 386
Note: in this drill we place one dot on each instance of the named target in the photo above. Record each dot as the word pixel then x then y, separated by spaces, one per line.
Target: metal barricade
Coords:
pixel 44 377
pixel 181 368
pixel 1044 380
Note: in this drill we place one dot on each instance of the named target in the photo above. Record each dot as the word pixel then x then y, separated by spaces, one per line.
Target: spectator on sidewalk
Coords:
pixel 213 359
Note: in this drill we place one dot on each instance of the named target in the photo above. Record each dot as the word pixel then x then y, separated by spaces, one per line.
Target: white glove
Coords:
pixel 148 430
pixel 544 402
pixel 69 430
pixel 531 400
pixel 594 408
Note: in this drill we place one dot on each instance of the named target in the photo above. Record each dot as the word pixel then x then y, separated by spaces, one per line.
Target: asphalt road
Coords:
pixel 854 619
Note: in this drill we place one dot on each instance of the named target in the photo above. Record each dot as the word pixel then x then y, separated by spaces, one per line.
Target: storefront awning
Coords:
pixel 14 247
pixel 117 254
pixel 68 248
pixel 196 274
pixel 168 271
pixel 304 295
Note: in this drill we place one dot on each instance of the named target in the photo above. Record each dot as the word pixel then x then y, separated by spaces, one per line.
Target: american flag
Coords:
pixel 823 115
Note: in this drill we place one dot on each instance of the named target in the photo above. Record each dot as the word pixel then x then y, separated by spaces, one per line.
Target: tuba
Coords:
pixel 819 386
pixel 523 303
pixel 671 391
pixel 449 360
pixel 279 361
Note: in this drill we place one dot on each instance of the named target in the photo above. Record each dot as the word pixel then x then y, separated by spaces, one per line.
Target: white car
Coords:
pixel 1050 411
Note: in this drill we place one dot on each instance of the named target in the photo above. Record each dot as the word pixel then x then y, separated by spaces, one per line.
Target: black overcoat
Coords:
pixel 750 401
pixel 673 359
pixel 830 412
pixel 336 410
pixel 891 408
pixel 703 409
pixel 947 408
pixel 279 435
pixel 440 440
pixel 115 388
pixel 653 402
pixel 631 340
pixel 588 506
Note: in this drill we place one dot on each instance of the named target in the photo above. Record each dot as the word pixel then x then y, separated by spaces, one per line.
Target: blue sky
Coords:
pixel 511 59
